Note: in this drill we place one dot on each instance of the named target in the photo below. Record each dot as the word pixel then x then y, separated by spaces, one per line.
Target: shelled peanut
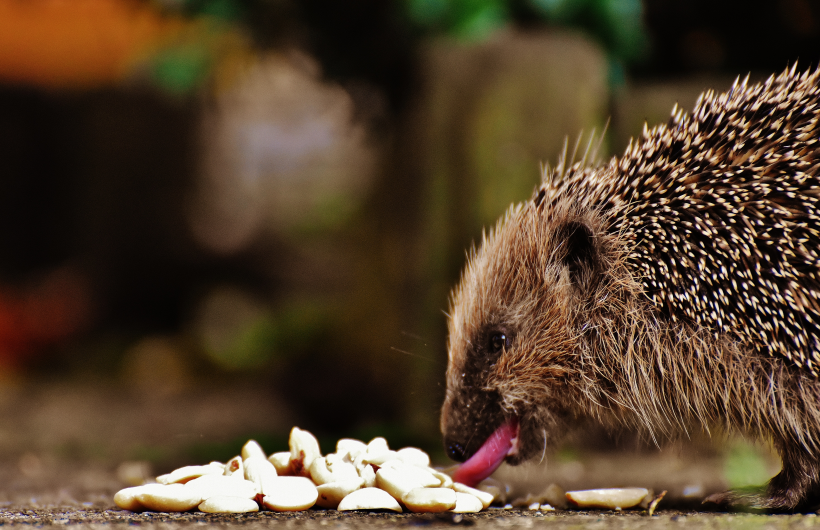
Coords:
pixel 358 476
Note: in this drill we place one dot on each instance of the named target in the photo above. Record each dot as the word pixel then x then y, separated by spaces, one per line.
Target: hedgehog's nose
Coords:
pixel 455 450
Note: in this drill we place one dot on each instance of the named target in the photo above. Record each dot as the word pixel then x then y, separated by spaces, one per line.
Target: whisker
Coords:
pixel 411 354
pixel 414 336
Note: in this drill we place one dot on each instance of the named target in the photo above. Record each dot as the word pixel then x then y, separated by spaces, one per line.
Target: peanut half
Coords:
pixel 369 499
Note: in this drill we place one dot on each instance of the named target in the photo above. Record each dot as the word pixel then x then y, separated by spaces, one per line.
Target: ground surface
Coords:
pixel 81 496
pixel 494 518
pixel 62 449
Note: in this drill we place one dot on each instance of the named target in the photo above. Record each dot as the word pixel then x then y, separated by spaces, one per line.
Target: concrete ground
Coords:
pixel 69 494
pixel 91 517
pixel 63 449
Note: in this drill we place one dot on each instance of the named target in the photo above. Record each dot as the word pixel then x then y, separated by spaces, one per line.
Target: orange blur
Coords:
pixel 77 43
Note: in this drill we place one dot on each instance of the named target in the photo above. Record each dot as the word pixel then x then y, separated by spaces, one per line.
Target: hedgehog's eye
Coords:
pixel 499 341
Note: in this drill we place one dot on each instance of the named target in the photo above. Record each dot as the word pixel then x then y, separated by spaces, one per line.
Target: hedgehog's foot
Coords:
pixel 796 487
pixel 790 493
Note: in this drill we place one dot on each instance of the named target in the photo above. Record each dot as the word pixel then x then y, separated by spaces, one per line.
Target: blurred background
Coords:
pixel 222 218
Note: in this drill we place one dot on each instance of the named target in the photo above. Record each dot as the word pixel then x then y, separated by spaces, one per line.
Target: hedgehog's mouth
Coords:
pixel 500 444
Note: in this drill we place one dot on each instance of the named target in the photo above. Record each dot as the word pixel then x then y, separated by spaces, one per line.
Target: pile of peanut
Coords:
pixel 357 476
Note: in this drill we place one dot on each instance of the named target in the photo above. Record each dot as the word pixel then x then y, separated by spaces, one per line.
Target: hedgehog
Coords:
pixel 675 288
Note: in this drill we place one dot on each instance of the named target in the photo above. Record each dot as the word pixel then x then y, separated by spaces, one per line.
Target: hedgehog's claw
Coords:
pixel 738 500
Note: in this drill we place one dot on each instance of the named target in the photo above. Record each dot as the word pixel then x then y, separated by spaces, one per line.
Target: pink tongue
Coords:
pixel 489 457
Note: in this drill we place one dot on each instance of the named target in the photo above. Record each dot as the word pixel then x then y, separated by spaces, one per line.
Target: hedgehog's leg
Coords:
pixel 797 486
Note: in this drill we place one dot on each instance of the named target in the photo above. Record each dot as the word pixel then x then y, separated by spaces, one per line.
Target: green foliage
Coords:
pixel 180 69
pixel 255 343
pixel 616 24
pixel 228 10
pixel 466 19
pixel 248 344
pixel 745 465
pixel 182 66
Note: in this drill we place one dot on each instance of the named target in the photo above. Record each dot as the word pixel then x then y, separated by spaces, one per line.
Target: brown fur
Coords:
pixel 566 276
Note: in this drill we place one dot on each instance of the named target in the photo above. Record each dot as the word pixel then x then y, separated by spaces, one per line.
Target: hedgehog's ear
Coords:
pixel 580 251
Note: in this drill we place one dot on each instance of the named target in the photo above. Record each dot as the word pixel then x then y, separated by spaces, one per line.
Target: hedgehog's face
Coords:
pixel 511 341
